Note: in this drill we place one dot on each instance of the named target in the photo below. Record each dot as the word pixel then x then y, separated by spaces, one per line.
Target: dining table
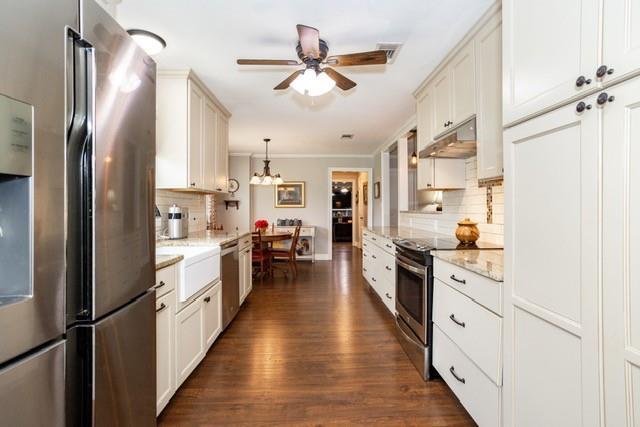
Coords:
pixel 268 237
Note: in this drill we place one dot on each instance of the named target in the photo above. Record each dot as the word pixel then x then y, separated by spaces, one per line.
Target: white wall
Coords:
pixel 468 203
pixel 240 219
pixel 314 171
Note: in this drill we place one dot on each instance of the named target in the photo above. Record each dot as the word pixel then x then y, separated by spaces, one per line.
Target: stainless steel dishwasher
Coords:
pixel 230 282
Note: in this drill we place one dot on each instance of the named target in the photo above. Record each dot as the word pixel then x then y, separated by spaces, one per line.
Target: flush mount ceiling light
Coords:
pixel 266 178
pixel 148 41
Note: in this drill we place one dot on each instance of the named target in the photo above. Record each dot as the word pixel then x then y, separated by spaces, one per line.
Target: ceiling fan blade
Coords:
pixel 286 82
pixel 373 57
pixel 341 81
pixel 309 40
pixel 266 62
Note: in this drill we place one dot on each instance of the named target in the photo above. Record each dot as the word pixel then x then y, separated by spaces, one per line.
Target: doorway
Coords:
pixel 349 207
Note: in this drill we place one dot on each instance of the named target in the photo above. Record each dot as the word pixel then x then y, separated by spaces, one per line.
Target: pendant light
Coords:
pixel 266 178
pixel 414 158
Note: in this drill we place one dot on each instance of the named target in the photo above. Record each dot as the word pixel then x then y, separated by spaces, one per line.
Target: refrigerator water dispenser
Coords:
pixel 16 184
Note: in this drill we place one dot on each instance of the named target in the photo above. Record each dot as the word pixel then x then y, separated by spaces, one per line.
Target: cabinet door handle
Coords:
pixel 388 245
pixel 453 372
pixel 373 256
pixel 161 284
pixel 193 184
pixel 456 321
pixel 387 267
pixel 582 80
pixel 374 279
pixel 219 189
pixel 364 269
pixel 162 307
pixel 603 98
pixel 453 277
pixel 373 238
pixel 207 299
pixel 387 295
pixel 581 106
pixel 602 70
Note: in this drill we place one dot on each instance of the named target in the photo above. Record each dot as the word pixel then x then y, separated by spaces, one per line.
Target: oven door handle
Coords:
pixel 419 271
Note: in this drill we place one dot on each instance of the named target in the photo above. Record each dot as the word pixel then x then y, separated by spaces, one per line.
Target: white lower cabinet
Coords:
pixel 189 340
pixel 244 275
pixel 212 307
pixel 379 267
pixel 165 356
pixel 478 394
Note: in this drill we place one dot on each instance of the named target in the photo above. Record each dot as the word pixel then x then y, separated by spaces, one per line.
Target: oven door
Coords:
pixel 411 295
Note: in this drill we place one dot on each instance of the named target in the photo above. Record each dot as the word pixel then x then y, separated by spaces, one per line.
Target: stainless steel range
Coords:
pixel 414 296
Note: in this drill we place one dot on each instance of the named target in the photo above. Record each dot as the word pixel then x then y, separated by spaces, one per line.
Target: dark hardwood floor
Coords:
pixel 318 350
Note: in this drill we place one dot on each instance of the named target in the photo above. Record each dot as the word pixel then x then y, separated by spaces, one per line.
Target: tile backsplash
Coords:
pixel 197 204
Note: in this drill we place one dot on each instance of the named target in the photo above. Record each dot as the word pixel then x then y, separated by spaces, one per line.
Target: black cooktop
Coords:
pixel 440 242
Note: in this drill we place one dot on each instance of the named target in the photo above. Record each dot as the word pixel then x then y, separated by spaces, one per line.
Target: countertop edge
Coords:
pixel 478 268
pixel 167 261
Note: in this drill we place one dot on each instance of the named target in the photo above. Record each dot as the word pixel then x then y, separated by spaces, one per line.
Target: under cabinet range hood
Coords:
pixel 458 143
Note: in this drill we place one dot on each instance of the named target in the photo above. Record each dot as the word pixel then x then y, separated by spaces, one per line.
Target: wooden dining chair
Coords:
pixel 260 255
pixel 287 256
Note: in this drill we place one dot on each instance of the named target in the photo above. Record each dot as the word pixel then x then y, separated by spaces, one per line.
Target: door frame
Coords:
pixel 330 172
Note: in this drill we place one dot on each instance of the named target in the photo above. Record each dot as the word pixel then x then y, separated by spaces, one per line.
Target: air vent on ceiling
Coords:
pixel 391 49
pixel 346 136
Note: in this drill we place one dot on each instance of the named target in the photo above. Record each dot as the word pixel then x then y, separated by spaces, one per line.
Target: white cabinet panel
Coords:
pixel 621 250
pixel 210 129
pixel 441 174
pixel 195 146
pixel 621 38
pixel 189 340
pixel 244 265
pixel 166 280
pixel 463 84
pixel 547 45
pixel 442 101
pixel 212 312
pixel 551 297
pixel 165 350
pixel 489 99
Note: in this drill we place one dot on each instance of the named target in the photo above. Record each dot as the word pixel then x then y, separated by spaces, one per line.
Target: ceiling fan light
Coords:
pixel 322 84
pixel 298 84
pixel 148 41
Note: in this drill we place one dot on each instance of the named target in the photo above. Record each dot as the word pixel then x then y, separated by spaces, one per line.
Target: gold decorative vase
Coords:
pixel 467 232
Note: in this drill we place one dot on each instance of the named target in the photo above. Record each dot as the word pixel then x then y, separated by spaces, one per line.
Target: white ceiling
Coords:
pixel 209 35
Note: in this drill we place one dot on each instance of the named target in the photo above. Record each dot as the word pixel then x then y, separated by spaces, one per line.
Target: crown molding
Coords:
pixel 310 156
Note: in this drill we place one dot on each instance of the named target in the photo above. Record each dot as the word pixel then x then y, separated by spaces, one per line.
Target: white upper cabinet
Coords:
pixel 548 45
pixel 191 135
pixel 222 155
pixel 463 84
pixel 442 102
pixel 210 130
pixel 441 174
pixel 488 88
pixel 195 144
pixel 621 39
pixel 424 117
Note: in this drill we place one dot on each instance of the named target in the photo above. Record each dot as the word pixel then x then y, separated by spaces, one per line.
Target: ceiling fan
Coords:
pixel 317 78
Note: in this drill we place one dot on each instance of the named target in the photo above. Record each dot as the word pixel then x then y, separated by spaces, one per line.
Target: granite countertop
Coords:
pixel 204 238
pixel 487 262
pixel 163 261
pixel 404 233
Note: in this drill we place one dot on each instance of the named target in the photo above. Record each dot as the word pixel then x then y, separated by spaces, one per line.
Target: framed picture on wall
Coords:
pixel 365 193
pixel 376 190
pixel 289 195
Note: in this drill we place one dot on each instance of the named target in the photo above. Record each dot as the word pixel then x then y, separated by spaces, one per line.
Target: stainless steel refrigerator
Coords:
pixel 77 244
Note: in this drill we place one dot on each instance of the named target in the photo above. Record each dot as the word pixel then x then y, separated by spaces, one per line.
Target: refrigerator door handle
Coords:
pixel 79 180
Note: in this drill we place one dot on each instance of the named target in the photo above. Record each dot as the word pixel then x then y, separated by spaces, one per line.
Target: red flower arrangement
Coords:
pixel 262 224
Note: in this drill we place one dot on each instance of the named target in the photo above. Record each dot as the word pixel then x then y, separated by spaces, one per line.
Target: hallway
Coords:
pixel 318 350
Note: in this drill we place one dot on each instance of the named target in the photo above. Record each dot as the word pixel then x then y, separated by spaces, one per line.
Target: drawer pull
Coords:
pixel 388 245
pixel 373 256
pixel 162 307
pixel 387 295
pixel 364 269
pixel 453 372
pixel 387 267
pixel 374 279
pixel 161 284
pixel 456 321
pixel 373 238
pixel 207 299
pixel 453 277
